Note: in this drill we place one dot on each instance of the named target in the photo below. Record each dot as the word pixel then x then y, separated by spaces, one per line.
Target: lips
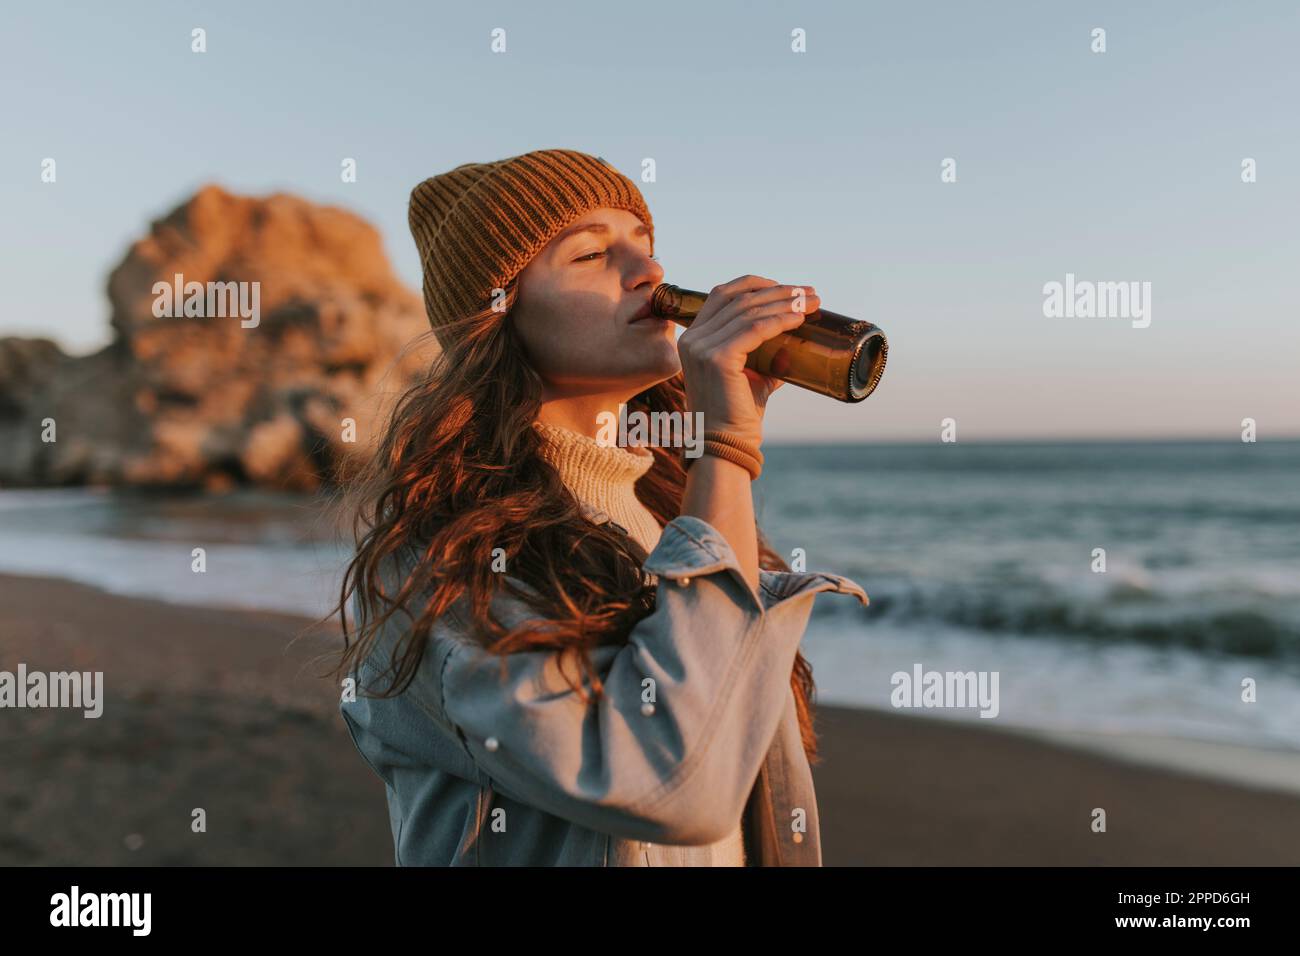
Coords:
pixel 641 313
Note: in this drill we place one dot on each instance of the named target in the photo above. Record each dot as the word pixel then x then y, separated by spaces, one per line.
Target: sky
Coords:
pixel 822 167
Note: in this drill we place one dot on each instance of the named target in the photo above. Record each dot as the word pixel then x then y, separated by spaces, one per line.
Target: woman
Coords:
pixel 572 653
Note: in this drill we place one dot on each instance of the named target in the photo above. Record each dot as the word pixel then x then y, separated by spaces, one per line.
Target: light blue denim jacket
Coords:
pixel 697 727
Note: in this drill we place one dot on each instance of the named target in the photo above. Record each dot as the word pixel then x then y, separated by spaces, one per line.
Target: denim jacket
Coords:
pixel 696 727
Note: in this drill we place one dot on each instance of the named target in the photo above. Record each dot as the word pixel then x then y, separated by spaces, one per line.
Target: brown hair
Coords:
pixel 458 473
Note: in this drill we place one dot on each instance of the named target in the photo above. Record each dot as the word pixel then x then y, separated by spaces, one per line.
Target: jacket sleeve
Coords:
pixel 671 751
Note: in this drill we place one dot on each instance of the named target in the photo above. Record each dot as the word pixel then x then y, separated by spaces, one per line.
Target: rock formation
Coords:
pixel 220 397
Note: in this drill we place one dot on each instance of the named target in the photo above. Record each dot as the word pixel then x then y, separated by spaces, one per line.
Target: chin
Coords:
pixel 668 365
pixel 650 375
pixel 647 363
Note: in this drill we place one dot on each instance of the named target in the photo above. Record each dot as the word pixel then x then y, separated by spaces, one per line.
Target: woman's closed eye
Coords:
pixel 588 257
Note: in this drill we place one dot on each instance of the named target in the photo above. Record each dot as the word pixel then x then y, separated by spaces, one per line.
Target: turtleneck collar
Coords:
pixel 602 479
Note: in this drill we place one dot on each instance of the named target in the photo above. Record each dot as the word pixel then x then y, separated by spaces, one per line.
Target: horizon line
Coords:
pixel 1038 440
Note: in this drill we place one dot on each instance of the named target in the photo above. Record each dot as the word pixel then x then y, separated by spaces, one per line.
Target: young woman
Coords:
pixel 570 652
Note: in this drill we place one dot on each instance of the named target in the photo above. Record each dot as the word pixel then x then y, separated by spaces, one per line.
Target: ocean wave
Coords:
pixel 1246 623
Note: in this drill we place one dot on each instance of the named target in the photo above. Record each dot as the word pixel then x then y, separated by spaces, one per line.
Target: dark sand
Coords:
pixel 217 709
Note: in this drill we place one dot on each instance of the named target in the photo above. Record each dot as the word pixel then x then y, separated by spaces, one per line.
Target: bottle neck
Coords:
pixel 673 302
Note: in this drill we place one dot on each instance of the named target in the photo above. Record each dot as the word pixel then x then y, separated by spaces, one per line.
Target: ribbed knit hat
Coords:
pixel 477 226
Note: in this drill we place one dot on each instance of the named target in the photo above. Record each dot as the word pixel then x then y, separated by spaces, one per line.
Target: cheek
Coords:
pixel 586 343
pixel 562 340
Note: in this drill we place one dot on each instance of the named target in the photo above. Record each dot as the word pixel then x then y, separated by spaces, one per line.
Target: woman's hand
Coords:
pixel 736 319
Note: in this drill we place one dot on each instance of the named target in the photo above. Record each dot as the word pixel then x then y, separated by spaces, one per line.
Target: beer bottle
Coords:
pixel 829 353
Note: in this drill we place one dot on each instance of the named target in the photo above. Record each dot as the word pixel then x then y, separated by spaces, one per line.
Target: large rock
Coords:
pixel 215 400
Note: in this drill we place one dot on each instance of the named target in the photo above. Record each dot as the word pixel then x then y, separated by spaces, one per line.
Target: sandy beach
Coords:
pixel 221 710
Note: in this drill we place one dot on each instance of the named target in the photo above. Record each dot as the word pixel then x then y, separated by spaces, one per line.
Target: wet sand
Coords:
pixel 220 710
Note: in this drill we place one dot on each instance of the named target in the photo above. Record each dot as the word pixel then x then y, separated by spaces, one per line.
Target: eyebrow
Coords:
pixel 641 230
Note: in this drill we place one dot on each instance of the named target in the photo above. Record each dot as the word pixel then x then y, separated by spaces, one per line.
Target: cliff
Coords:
pixel 286 321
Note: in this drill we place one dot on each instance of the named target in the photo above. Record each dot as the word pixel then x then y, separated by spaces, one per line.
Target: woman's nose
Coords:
pixel 653 269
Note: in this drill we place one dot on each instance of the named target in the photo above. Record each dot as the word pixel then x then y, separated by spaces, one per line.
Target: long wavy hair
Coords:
pixel 458 473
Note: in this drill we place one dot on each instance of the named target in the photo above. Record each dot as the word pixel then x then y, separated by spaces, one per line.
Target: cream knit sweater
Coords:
pixel 601 478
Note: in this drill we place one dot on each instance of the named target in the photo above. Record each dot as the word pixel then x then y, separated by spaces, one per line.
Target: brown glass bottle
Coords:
pixel 829 353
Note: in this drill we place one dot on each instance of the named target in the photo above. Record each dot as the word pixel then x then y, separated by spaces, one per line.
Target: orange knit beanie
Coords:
pixel 477 226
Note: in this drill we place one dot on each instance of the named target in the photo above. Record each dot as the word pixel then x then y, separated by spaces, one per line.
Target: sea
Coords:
pixel 1120 590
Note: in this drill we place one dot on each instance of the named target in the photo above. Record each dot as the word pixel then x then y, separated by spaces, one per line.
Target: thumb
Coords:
pixel 762 386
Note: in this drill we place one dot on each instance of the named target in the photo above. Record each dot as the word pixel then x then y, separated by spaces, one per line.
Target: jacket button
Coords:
pixel 491 744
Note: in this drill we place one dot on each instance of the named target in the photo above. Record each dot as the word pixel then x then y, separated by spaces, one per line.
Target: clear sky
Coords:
pixel 820 167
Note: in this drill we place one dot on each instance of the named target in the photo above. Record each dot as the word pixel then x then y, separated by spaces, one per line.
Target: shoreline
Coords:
pixel 1248 766
pixel 219 709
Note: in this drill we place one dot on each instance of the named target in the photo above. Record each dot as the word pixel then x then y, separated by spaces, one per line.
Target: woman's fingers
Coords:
pixel 721 297
pixel 746 340
pixel 799 298
pixel 755 302
pixel 749 329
